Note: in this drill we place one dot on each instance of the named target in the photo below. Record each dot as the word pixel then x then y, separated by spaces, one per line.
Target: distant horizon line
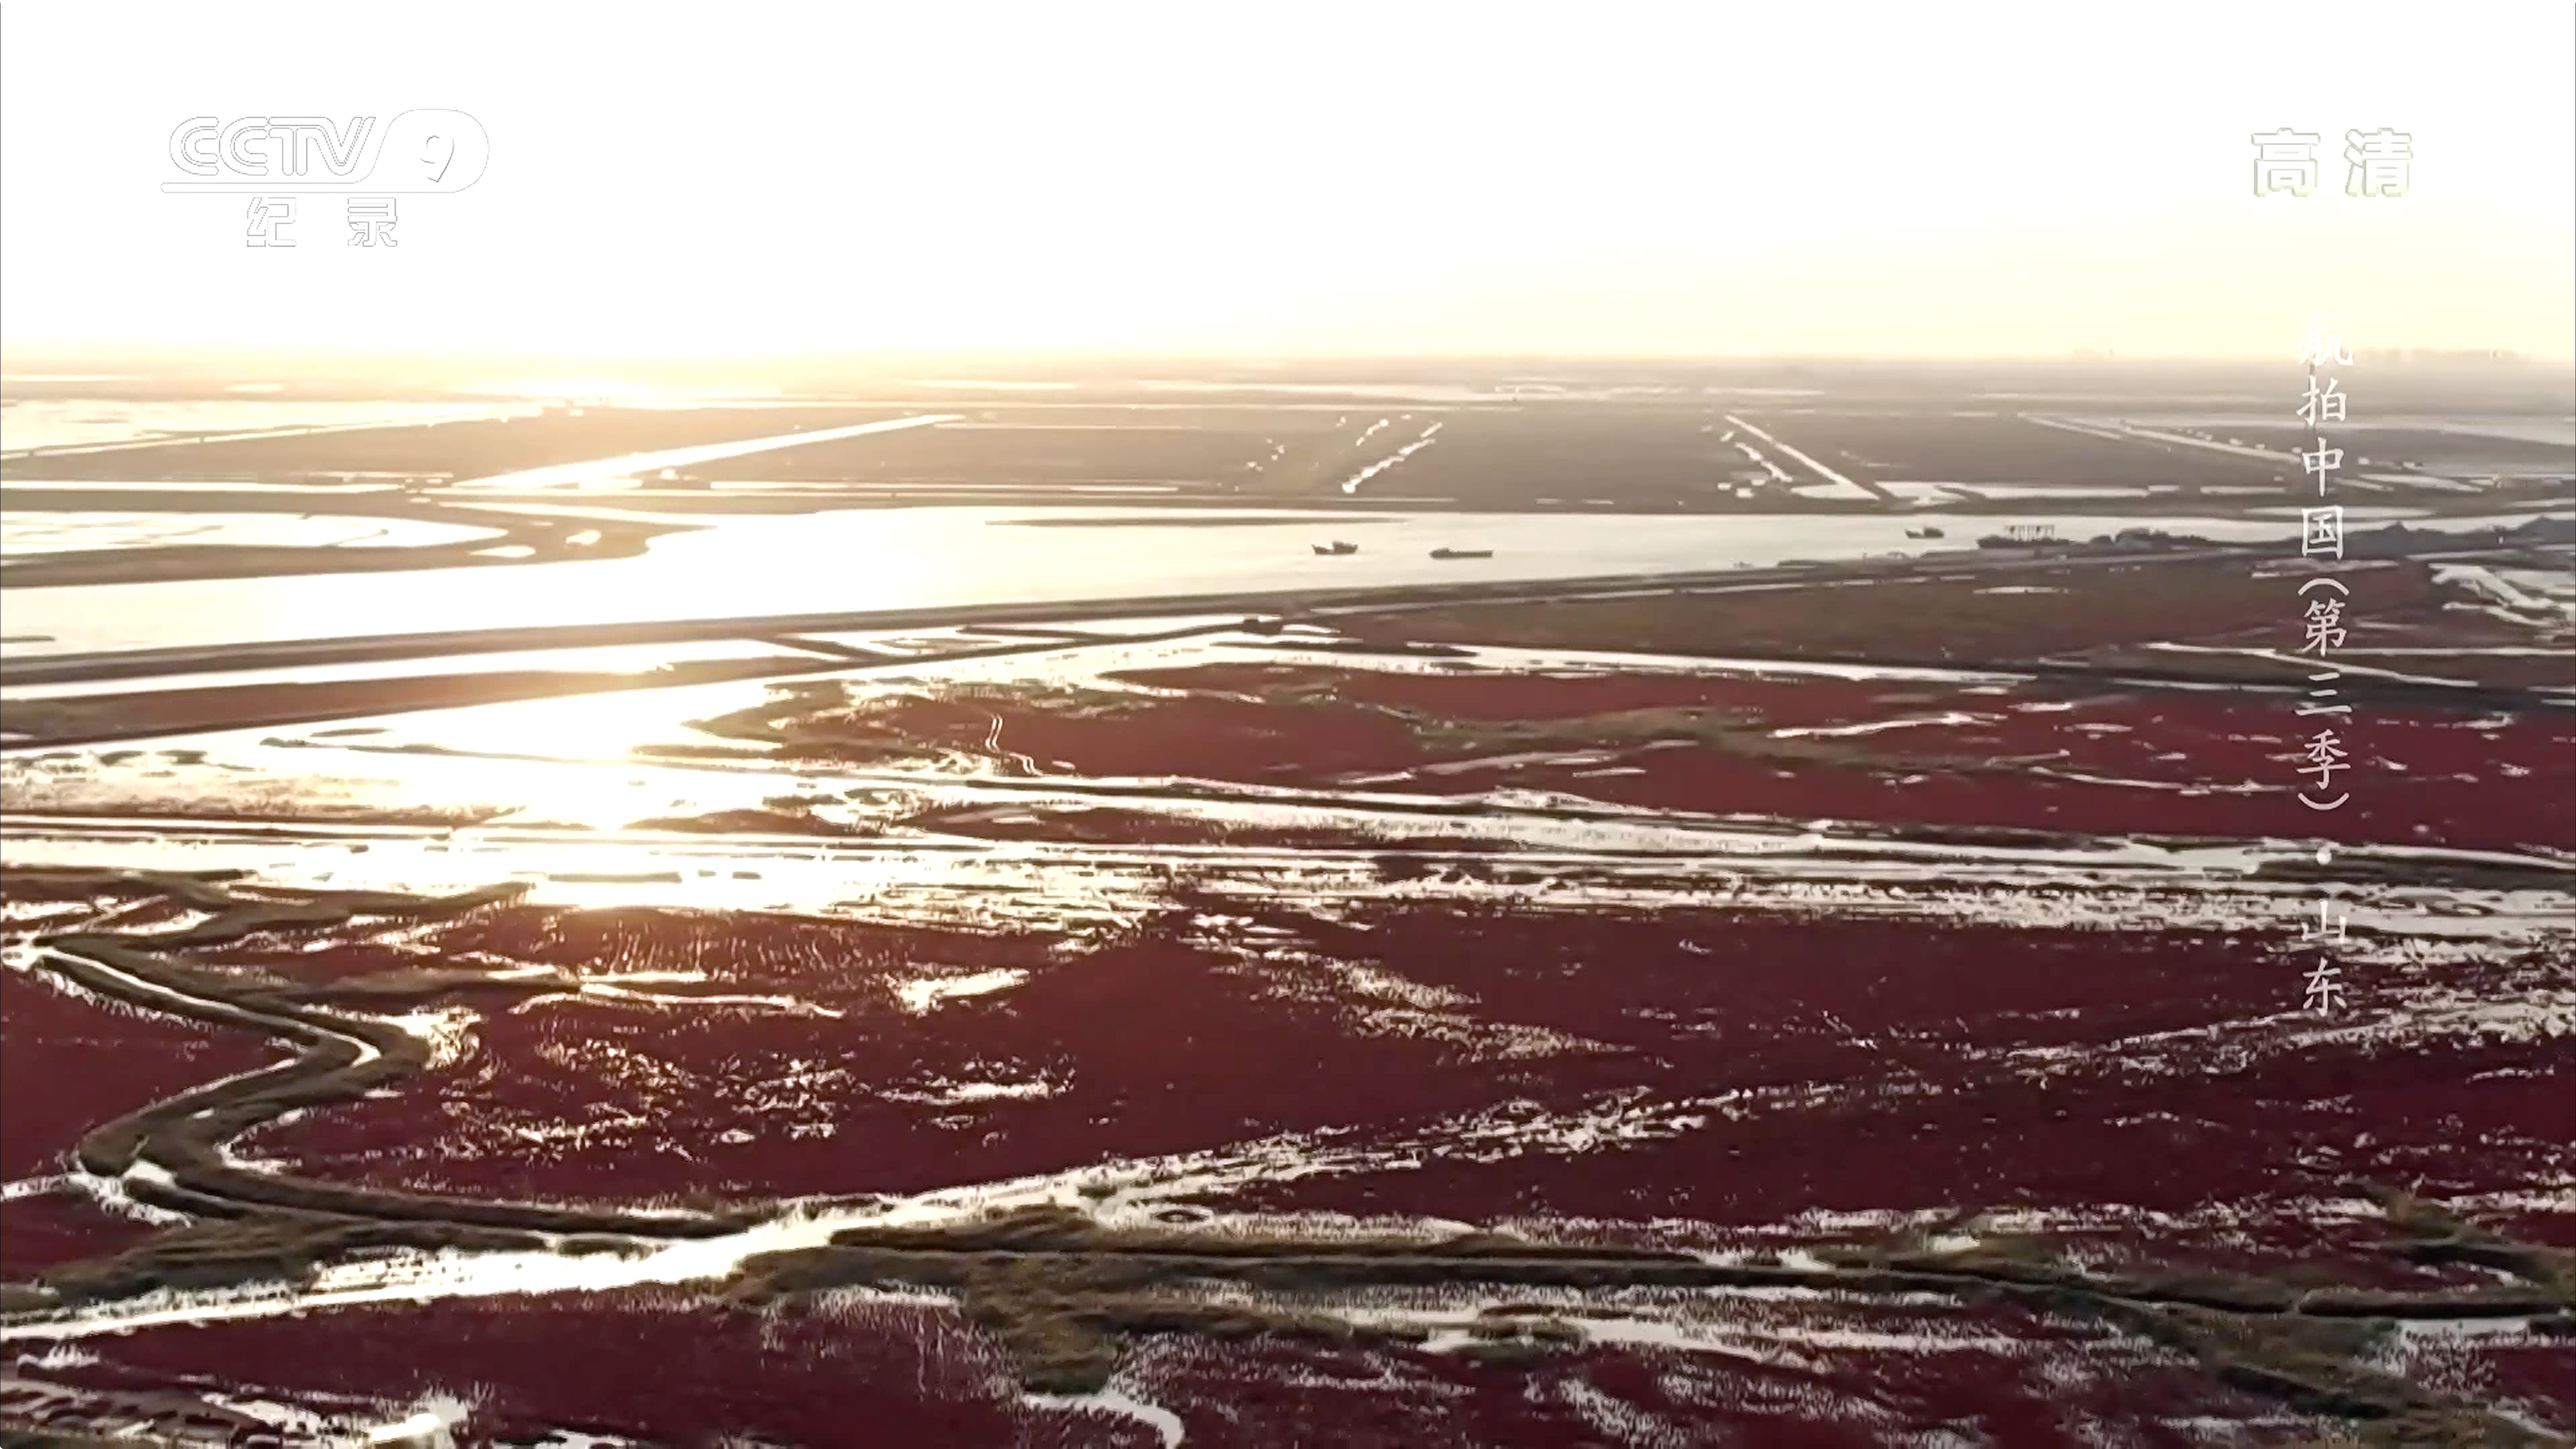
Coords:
pixel 28 359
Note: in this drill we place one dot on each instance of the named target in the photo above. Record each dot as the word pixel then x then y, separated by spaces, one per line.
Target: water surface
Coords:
pixel 937 557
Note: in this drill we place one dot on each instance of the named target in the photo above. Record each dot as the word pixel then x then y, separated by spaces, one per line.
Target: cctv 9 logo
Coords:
pixel 421 151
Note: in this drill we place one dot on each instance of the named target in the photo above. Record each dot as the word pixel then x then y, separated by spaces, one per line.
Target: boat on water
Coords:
pixel 1462 553
pixel 1336 548
pixel 2023 535
pixel 1922 533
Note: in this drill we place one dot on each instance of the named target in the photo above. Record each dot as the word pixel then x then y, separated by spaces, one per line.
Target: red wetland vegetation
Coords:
pixel 1248 1045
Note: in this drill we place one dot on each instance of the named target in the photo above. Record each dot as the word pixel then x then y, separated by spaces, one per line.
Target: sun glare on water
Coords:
pixel 614 392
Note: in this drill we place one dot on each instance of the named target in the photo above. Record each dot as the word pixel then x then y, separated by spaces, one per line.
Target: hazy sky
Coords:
pixel 1661 177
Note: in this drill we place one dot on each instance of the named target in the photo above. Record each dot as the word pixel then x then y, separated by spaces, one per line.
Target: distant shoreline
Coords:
pixel 1147 520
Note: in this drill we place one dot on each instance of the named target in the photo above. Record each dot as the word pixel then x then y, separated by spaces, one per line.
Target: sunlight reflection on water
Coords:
pixel 933 557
